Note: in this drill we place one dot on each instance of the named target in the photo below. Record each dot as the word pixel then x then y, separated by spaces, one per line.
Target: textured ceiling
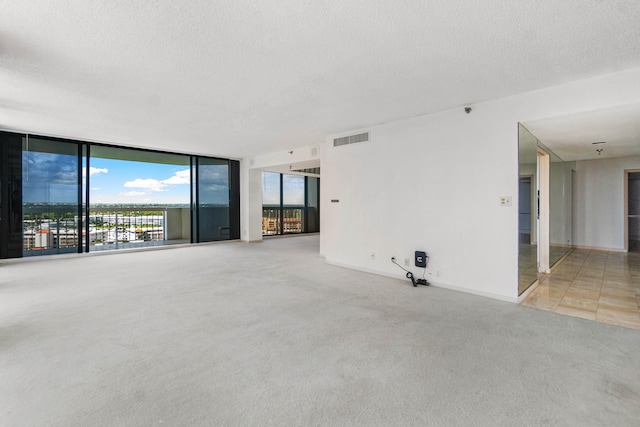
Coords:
pixel 617 130
pixel 239 78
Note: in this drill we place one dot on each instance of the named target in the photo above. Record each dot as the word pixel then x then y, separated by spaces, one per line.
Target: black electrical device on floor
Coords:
pixel 421 258
pixel 409 274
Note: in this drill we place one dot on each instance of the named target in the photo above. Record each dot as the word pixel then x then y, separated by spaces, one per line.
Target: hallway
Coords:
pixel 595 285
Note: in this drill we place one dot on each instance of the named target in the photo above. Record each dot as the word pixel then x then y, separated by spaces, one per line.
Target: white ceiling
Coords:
pixel 572 137
pixel 245 77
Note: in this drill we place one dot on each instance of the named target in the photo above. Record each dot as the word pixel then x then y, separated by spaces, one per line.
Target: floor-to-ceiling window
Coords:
pixel 51 196
pixel 138 198
pixel 293 207
pixel 60 196
pixel 290 204
pixel 10 195
pixel 312 205
pixel 271 210
pixel 213 199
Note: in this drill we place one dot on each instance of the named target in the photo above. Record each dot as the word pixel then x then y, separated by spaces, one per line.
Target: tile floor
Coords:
pixel 594 285
pixel 528 263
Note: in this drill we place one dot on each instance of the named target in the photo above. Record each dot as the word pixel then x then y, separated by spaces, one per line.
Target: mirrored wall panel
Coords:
pixel 560 207
pixel 527 209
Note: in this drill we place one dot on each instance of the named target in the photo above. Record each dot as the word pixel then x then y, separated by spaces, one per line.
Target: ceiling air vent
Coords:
pixel 352 139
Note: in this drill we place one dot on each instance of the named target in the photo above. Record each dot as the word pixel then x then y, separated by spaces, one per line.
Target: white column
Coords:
pixel 250 202
pixel 543 219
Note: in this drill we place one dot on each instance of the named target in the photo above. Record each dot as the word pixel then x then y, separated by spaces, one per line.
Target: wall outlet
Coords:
pixel 407 262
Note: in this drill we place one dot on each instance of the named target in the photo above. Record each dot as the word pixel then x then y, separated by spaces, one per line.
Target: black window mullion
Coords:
pixel 318 203
pixel 281 205
pixel 79 207
pixel 195 238
pixel 306 204
pixel 87 199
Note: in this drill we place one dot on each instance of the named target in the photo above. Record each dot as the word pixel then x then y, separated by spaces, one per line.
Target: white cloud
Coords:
pixel 95 188
pixel 133 193
pixel 94 171
pixel 180 177
pixel 147 184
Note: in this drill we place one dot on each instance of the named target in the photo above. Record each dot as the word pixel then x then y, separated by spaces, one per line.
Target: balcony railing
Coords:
pixel 126 225
pixel 46 227
pixel 292 220
pixel 57 229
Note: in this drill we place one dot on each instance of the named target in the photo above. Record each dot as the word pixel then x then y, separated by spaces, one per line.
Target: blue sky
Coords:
pixel 49 178
pixel 52 178
pixel 119 181
pixel 293 189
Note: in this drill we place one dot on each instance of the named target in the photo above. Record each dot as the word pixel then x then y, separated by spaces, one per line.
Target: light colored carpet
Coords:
pixel 267 334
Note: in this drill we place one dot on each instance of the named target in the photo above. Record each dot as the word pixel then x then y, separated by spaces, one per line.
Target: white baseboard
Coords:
pixel 401 276
pixel 598 248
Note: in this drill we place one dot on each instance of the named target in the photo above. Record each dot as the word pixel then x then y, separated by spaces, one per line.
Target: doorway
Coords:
pixel 632 210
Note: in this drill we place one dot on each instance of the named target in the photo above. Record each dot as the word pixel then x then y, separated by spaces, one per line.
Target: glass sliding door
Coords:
pixel 10 195
pixel 51 196
pixel 271 193
pixel 59 196
pixel 83 224
pixel 137 198
pixel 212 200
pixel 293 191
pixel 290 204
pixel 312 198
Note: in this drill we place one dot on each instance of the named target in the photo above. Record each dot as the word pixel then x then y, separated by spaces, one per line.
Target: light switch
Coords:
pixel 505 200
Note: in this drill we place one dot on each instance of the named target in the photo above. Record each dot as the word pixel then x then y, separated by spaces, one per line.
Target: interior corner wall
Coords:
pixel 599 202
pixel 434 183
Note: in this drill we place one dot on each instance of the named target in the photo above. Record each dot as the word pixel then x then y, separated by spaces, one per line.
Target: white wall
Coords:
pixel 178 223
pixel 250 202
pixel 599 202
pixel 186 223
pixel 433 183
